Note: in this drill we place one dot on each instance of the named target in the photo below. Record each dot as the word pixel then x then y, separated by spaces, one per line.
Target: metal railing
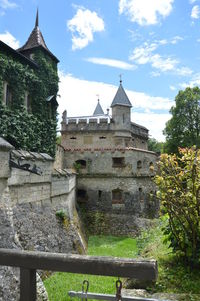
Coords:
pixel 29 262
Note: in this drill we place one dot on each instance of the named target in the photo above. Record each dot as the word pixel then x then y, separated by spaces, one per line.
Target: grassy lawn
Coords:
pixel 173 276
pixel 59 284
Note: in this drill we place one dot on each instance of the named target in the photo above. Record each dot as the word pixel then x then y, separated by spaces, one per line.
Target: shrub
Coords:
pixel 179 193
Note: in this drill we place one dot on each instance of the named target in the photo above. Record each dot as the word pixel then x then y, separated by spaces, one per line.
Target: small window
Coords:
pixel 87 139
pixel 102 137
pixel 117 196
pixel 139 164
pixel 140 194
pixel 99 194
pixel 81 163
pixel 151 166
pixel 7 94
pixel 118 162
pixel 27 102
pixel 73 138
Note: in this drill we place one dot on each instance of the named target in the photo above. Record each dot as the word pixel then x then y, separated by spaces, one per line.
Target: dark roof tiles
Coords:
pixel 98 110
pixel 121 98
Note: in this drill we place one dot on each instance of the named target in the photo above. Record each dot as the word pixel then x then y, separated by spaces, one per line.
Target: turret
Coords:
pixel 121 109
pixel 36 41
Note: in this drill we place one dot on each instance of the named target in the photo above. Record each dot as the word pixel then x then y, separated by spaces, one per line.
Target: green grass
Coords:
pixel 173 276
pixel 59 284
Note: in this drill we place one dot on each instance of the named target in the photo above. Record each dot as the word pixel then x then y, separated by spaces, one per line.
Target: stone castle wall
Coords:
pixel 28 206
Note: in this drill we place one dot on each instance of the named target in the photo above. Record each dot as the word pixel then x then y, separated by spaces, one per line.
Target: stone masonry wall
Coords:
pixel 28 205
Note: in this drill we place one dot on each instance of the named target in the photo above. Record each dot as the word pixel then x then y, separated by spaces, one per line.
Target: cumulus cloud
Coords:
pixel 83 26
pixel 195 14
pixel 10 40
pixel 111 63
pixel 195 81
pixel 78 97
pixel 145 12
pixel 6 4
pixel 145 54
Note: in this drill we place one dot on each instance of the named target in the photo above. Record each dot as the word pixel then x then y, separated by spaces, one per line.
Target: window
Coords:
pixel 27 102
pixel 7 95
pixel 87 139
pixel 139 164
pixel 151 166
pixel 118 162
pixel 73 138
pixel 117 196
pixel 81 163
pixel 102 137
pixel 99 195
pixel 140 194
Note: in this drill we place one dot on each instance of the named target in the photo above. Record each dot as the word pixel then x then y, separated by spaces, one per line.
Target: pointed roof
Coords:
pixel 98 110
pixel 36 40
pixel 121 98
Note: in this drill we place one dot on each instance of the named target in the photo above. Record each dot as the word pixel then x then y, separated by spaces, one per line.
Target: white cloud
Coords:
pixel 176 39
pixel 145 54
pixel 192 1
pixel 78 97
pixel 195 81
pixel 172 88
pixel 153 121
pixel 111 63
pixel 10 40
pixel 145 12
pixel 195 14
pixel 83 26
pixel 6 4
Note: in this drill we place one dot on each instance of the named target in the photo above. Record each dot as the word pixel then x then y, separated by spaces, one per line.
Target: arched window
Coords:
pixel 151 166
pixel 139 164
pixel 81 163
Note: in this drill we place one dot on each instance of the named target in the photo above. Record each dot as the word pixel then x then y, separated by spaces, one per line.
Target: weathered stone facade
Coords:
pixel 28 206
pixel 115 169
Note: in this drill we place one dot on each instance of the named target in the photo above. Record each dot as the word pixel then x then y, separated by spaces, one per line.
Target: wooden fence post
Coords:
pixel 27 284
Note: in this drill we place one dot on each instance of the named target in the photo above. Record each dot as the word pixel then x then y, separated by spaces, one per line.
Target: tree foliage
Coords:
pixel 155 146
pixel 183 129
pixel 179 193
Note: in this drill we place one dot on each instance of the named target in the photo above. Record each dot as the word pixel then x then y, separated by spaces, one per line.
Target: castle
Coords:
pixel 114 167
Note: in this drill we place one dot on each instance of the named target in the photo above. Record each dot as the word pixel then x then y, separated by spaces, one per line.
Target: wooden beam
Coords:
pixel 81 264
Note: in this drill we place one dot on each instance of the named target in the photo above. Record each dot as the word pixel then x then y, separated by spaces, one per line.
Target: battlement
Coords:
pixel 87 123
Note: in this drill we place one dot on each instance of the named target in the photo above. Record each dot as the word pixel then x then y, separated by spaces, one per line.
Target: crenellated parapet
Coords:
pixel 87 123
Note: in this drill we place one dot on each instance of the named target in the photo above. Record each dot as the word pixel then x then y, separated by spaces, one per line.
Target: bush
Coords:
pixel 179 193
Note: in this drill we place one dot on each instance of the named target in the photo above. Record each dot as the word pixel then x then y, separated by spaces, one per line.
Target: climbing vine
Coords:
pixel 35 131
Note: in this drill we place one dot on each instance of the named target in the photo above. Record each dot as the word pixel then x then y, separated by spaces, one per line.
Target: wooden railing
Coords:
pixel 29 262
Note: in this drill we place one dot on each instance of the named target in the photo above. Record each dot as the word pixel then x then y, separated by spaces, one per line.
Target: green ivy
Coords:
pixel 35 131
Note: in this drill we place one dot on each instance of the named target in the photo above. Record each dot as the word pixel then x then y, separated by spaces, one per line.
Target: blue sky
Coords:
pixel 154 44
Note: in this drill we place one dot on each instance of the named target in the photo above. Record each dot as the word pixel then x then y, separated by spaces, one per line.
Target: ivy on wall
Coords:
pixel 35 131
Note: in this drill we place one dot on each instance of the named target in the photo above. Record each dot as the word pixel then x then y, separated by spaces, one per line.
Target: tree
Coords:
pixel 155 146
pixel 179 192
pixel 183 129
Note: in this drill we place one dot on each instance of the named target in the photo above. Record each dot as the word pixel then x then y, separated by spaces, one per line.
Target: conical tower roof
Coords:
pixel 36 40
pixel 98 110
pixel 121 98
